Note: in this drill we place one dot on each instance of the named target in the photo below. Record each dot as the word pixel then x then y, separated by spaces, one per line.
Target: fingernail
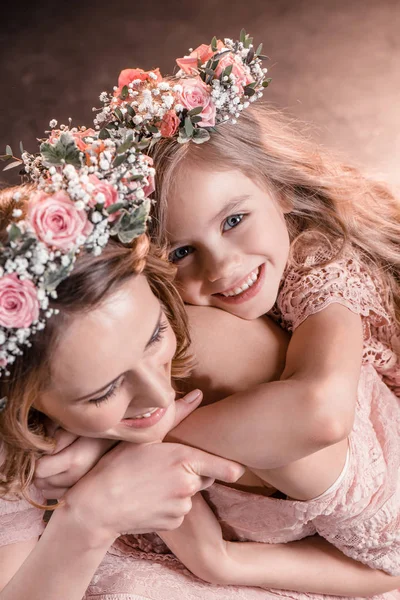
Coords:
pixel 192 396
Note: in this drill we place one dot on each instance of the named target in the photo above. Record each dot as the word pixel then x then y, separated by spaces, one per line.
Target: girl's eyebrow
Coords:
pixel 229 207
pixel 107 385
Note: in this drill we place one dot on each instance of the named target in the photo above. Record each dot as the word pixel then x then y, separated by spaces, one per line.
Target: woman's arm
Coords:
pixel 310 408
pixel 311 565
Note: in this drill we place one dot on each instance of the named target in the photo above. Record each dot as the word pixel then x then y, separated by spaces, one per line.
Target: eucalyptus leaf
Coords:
pixel 214 44
pixel 21 147
pixel 266 82
pixel 9 150
pixel 182 137
pixel 250 56
pixel 242 36
pixel 196 119
pixel 12 165
pixel 114 208
pixel 214 65
pixel 200 135
pixel 14 233
pixel 152 128
pixel 249 91
pixel 52 279
pixel 124 92
pixel 130 110
pixel 227 71
pixel 188 127
pixel 259 49
pixel 104 134
pixel 119 159
pixel 26 245
pixel 195 111
pixel 5 157
pixel 118 114
pixel 126 144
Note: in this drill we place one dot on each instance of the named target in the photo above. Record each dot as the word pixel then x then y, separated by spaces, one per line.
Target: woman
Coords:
pixel 68 369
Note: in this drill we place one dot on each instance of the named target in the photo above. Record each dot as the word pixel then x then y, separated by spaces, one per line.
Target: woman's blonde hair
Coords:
pixel 93 278
pixel 325 199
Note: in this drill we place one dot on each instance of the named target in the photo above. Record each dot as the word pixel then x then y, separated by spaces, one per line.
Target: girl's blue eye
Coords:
pixel 180 253
pixel 232 221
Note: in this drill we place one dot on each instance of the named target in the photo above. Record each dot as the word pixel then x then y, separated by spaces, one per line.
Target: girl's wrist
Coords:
pixel 77 524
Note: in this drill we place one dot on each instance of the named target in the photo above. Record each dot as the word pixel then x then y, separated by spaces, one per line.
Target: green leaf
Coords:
pixel 132 224
pixel 5 157
pixel 12 165
pixel 266 82
pixel 104 134
pixel 130 110
pixel 124 93
pixel 114 208
pixel 118 114
pixel 243 36
pixel 200 135
pixel 14 233
pixel 26 245
pixel 21 148
pixel 126 145
pixel 52 279
pixel 259 49
pixel 227 71
pixel 196 119
pixel 188 127
pixel 195 111
pixel 249 91
pixel 209 72
pixel 250 56
pixel 214 44
pixel 8 150
pixel 182 137
pixel 152 128
pixel 63 151
pixel 214 65
pixel 119 159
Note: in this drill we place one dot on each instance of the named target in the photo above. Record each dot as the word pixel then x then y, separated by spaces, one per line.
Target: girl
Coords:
pixel 259 220
pixel 120 389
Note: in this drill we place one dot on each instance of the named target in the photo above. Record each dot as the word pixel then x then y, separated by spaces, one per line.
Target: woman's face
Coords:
pixel 111 369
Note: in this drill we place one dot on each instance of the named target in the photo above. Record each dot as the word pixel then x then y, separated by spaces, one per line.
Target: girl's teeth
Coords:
pixel 246 285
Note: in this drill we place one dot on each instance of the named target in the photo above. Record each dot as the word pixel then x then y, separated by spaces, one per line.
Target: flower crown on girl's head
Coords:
pixel 86 190
pixel 213 85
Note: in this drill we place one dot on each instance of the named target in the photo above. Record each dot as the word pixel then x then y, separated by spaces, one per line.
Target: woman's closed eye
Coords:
pixel 232 221
pixel 112 390
pixel 180 253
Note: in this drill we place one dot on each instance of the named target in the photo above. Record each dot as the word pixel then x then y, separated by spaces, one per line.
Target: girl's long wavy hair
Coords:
pixel 93 279
pixel 326 200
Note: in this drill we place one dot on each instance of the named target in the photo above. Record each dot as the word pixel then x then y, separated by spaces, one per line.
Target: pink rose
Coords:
pixel 19 305
pixel 169 124
pixel 56 220
pixel 242 76
pixel 128 75
pixel 202 53
pixel 109 192
pixel 196 93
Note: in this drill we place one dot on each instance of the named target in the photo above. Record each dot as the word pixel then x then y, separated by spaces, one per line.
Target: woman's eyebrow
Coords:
pixel 107 385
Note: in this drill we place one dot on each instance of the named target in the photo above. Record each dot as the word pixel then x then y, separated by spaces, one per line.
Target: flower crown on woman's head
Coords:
pixel 213 85
pixel 86 190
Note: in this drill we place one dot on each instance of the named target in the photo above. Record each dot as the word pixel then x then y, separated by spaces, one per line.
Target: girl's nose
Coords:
pixel 220 267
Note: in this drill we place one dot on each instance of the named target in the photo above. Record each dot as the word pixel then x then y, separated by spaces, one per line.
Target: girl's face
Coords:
pixel 111 370
pixel 229 240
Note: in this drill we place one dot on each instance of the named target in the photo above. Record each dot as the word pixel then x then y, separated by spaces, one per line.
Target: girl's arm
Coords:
pixel 310 408
pixel 311 565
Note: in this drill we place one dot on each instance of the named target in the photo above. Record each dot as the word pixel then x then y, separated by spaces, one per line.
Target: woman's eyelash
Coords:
pixel 111 392
pixel 158 334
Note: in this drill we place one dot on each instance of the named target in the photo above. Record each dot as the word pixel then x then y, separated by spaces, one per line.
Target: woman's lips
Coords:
pixel 247 294
pixel 144 422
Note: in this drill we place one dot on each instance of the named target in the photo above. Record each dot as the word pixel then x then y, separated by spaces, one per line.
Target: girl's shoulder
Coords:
pixel 322 275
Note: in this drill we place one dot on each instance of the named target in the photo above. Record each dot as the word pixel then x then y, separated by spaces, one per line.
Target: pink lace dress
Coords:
pixel 360 514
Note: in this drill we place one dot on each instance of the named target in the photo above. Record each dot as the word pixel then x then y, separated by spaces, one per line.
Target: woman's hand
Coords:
pixel 144 488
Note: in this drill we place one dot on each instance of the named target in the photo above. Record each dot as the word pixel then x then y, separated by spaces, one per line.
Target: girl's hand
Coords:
pixel 74 456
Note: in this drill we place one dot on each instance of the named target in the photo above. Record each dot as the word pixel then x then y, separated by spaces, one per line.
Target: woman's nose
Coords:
pixel 155 388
